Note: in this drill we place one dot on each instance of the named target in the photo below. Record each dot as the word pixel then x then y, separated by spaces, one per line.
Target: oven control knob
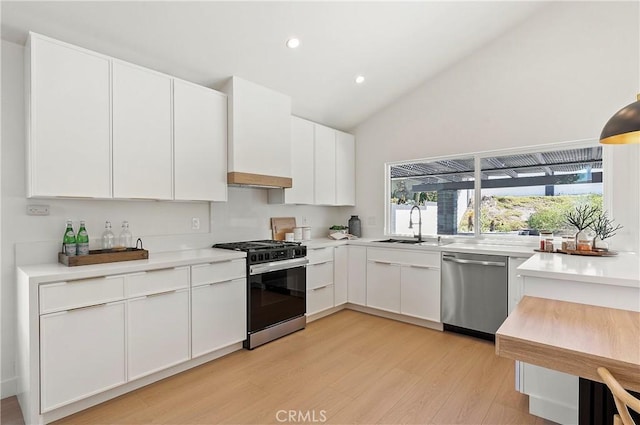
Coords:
pixel 253 258
pixel 266 256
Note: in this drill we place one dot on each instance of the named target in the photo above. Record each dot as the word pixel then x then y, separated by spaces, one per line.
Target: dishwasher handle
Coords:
pixel 476 262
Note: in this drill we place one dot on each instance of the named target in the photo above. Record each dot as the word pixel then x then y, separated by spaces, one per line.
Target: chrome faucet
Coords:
pixel 419 222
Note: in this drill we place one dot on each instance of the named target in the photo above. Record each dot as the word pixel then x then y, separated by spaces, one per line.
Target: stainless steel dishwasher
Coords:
pixel 474 293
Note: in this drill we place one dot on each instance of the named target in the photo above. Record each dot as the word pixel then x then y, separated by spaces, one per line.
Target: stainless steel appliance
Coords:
pixel 276 288
pixel 474 293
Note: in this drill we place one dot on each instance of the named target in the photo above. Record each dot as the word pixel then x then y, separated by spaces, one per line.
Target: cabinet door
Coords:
pixel 158 332
pixel 142 140
pixel 219 315
pixel 515 283
pixel 200 140
pixel 420 292
pixel 340 275
pixel 345 169
pixel 383 286
pixel 319 299
pixel 357 275
pixel 69 128
pixel 301 162
pixel 82 352
pixel 325 165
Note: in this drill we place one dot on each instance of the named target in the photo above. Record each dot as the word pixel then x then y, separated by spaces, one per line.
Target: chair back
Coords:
pixel 621 397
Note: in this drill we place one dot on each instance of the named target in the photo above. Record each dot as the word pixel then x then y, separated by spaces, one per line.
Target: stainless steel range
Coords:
pixel 276 288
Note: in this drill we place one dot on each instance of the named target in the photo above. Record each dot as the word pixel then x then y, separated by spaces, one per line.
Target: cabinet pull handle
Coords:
pixel 200 266
pixel 322 287
pixel 220 282
pixel 416 266
pixel 161 293
pixel 74 281
pixel 86 307
pixel 386 262
pixel 319 264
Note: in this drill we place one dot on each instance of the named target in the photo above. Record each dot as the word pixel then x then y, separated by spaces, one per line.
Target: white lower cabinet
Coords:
pixel 405 282
pixel 357 275
pixel 320 273
pixel 340 275
pixel 82 352
pixel 383 285
pixel 218 315
pixel 158 332
pixel 420 292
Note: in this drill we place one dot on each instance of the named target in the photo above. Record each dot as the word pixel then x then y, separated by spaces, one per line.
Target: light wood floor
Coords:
pixel 346 368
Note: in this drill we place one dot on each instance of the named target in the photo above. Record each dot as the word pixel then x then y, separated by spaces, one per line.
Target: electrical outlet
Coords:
pixel 37 209
pixel 304 220
pixel 195 223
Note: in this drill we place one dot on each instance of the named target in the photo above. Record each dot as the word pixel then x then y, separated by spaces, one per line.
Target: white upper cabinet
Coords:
pixel 142 135
pixel 345 168
pixel 325 165
pixel 259 132
pixel 302 136
pixel 200 143
pixel 98 127
pixel 68 120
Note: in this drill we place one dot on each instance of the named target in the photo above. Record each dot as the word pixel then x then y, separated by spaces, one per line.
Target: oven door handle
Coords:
pixel 277 265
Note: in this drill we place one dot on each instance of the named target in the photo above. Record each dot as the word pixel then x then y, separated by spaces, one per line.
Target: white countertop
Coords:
pixel 474 248
pixel 54 272
pixel 621 270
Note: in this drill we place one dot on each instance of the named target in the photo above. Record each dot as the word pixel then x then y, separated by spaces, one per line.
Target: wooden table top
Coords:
pixel 573 338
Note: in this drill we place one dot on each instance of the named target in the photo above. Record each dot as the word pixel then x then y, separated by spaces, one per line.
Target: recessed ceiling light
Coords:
pixel 292 43
pixel 359 79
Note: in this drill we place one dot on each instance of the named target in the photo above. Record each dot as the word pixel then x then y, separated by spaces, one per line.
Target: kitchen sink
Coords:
pixel 407 241
pixel 415 242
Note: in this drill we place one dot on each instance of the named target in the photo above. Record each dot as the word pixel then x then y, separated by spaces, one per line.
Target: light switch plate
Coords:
pixel 37 209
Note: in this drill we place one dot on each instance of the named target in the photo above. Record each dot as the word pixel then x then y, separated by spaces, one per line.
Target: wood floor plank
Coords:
pixel 350 367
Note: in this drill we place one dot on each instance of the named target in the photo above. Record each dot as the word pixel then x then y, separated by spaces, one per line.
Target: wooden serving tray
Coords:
pixel 100 256
pixel 585 253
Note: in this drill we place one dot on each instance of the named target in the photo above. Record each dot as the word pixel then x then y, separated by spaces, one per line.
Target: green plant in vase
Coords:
pixel 604 228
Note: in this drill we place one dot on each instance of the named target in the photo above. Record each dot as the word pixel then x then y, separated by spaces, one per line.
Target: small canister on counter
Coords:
pixel 306 233
pixel 544 236
pixel 297 233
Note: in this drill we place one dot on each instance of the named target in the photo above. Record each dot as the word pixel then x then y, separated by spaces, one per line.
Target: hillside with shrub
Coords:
pixel 515 213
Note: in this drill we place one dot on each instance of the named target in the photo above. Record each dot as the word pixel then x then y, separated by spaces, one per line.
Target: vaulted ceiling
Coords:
pixel 395 45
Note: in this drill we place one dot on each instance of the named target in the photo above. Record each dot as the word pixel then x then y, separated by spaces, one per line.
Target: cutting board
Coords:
pixel 282 225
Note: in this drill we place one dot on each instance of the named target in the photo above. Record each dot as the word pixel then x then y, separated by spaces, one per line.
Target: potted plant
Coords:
pixel 336 228
pixel 604 229
pixel 582 218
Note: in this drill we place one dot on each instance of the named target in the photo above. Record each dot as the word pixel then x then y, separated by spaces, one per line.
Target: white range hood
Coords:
pixel 259 144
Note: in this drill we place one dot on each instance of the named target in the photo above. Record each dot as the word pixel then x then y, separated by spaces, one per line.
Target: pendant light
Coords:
pixel 624 126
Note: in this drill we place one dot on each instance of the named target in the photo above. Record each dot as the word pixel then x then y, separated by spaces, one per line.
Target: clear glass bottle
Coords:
pixel 69 240
pixel 108 238
pixel 125 239
pixel 82 240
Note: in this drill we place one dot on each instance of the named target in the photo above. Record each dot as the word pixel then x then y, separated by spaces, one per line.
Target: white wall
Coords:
pixel 162 225
pixel 557 77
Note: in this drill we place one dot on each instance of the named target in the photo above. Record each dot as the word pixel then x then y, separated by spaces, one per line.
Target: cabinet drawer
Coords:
pixel 319 299
pixel 80 293
pixel 202 274
pixel 404 257
pixel 320 255
pixel 155 281
pixel 319 274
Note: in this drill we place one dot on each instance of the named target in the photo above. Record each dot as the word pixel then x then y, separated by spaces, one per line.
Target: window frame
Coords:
pixel 477 186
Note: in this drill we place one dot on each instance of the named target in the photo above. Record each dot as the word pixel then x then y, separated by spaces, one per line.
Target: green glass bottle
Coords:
pixel 69 240
pixel 82 240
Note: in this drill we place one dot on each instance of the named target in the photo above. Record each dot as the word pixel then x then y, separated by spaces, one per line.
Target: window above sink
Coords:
pixel 515 192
